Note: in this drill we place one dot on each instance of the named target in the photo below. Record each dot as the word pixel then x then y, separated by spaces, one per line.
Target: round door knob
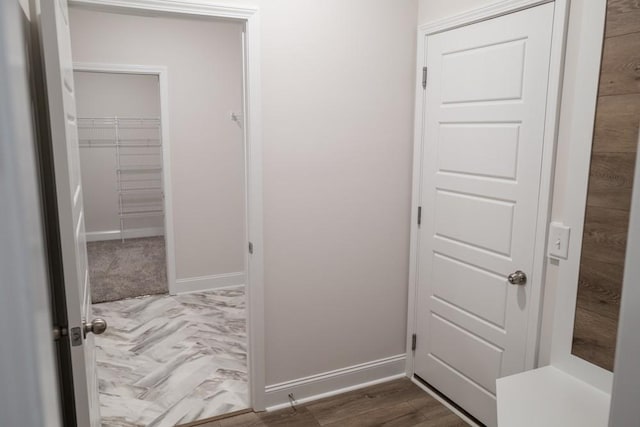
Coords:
pixel 518 278
pixel 96 326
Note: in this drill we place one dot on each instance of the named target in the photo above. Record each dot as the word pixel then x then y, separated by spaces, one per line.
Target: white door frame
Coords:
pixel 548 156
pixel 626 393
pixel 250 16
pixel 163 78
pixel 579 108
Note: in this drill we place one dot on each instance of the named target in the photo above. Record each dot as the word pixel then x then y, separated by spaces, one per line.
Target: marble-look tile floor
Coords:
pixel 167 360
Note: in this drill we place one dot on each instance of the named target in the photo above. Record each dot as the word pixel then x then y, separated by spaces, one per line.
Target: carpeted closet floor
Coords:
pixel 133 268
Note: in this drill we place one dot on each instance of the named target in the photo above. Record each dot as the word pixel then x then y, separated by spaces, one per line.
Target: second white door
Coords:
pixel 484 123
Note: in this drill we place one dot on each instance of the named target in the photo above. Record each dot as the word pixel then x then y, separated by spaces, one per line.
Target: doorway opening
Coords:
pixel 122 168
pixel 163 162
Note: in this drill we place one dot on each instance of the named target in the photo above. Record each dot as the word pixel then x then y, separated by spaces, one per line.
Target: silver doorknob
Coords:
pixel 96 326
pixel 518 278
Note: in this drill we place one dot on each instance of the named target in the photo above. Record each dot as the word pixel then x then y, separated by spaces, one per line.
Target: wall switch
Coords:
pixel 558 246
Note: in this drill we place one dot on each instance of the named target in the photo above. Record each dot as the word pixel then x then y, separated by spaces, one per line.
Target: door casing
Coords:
pixel 250 16
pixel 576 131
pixel 554 89
pixel 161 72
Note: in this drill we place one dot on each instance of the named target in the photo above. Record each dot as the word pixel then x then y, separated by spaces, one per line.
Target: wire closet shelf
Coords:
pixel 136 146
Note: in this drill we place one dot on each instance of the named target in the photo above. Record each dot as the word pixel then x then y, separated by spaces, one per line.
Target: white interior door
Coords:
pixel 56 49
pixel 484 124
pixel 28 389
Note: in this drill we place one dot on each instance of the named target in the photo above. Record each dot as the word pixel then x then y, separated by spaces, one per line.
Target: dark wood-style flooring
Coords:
pixel 611 173
pixel 397 403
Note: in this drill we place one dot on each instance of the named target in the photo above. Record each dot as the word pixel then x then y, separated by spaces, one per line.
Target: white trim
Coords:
pixel 163 81
pixel 253 134
pixel 445 403
pixel 626 393
pixel 255 270
pixel 208 283
pixel 554 89
pixel 192 7
pixel 337 392
pixel 335 382
pixel 547 174
pixel 167 182
pixel 473 16
pixel 416 200
pixel 131 233
pixel 578 115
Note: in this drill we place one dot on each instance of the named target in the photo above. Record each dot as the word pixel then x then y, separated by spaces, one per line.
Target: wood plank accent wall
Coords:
pixel 610 183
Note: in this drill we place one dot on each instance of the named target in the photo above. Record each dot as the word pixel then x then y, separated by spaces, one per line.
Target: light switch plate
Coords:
pixel 558 246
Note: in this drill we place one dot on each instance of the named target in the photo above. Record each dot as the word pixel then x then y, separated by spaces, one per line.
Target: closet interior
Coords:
pixel 122 165
pixel 137 146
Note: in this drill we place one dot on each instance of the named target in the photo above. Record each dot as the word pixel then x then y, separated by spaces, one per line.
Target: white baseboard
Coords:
pixel 335 382
pixel 133 233
pixel 207 283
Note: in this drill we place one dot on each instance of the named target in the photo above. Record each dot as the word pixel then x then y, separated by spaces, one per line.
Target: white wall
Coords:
pixel 337 80
pixel 111 95
pixel 204 61
pixel 115 94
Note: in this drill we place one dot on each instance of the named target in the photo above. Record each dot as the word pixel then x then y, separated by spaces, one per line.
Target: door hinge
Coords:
pixel 414 341
pixel 251 248
pixel 59 332
pixel 424 77
pixel 419 215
